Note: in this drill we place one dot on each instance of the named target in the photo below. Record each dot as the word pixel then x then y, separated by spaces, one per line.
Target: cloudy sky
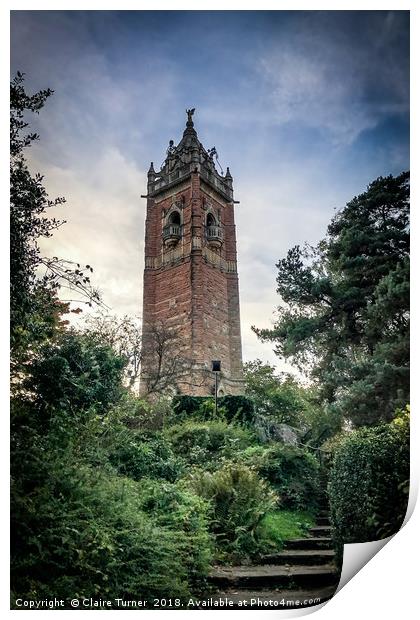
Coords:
pixel 305 107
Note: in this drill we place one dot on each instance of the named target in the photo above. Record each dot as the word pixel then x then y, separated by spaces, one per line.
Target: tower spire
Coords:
pixel 189 155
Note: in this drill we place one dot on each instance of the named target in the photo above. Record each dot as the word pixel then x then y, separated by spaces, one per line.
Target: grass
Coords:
pixel 280 525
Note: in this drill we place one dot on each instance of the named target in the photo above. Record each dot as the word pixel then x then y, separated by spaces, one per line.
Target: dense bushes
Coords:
pixel 174 506
pixel 79 525
pixel 369 482
pixel 79 528
pixel 89 533
pixel 204 443
pixel 185 406
pixel 146 456
pixel 101 506
pixel 292 472
pixel 279 397
pixel 75 372
pixel 239 500
pixel 238 409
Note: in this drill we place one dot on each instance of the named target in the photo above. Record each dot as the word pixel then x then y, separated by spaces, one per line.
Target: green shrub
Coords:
pixel 253 455
pixel 238 409
pixel 176 507
pixel 278 397
pixel 231 408
pixel 239 500
pixel 186 406
pixel 204 443
pixel 146 456
pixel 134 412
pixel 78 528
pixel 75 372
pixel 292 472
pixel 206 412
pixel 369 482
pixel 85 533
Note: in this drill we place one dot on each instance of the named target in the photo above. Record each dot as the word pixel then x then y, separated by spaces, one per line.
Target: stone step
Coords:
pixel 323 521
pixel 269 575
pixel 320 542
pixel 323 512
pixel 299 556
pixel 272 599
pixel 320 530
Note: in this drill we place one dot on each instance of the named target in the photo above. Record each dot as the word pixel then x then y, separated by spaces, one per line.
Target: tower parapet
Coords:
pixel 187 157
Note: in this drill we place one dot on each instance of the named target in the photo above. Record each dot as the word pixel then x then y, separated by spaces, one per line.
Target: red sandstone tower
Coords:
pixel 190 277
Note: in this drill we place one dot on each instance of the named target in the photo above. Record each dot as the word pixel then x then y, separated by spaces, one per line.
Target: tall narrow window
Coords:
pixel 172 230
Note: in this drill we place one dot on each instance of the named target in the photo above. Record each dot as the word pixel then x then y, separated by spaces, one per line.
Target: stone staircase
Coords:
pixel 302 574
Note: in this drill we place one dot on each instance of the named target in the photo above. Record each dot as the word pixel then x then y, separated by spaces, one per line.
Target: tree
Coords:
pixel 277 396
pixel 34 279
pixel 74 373
pixel 158 355
pixel 123 335
pixel 345 304
pixel 165 365
pixel 282 398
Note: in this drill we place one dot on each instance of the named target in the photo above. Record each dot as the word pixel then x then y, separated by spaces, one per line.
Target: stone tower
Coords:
pixel 190 289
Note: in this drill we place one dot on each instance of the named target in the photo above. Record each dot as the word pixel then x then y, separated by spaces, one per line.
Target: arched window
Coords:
pixel 214 234
pixel 172 229
pixel 175 218
pixel 210 221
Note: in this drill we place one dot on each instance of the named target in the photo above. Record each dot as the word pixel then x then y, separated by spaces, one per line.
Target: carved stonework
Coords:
pixel 188 156
pixel 196 243
pixel 190 115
